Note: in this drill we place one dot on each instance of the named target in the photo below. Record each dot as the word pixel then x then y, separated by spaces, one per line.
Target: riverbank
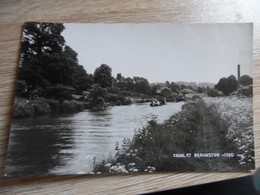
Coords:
pixel 74 139
pixel 198 129
pixel 41 106
pixel 238 113
pixel 23 107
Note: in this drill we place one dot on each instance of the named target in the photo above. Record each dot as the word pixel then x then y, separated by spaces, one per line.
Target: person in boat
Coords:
pixel 155 102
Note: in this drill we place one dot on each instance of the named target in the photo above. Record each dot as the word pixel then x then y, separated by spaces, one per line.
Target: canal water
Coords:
pixel 69 143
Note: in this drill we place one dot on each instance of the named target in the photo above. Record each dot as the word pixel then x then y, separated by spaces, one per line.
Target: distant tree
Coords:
pixel 124 84
pixel 128 84
pixel 60 92
pixel 103 76
pixel 141 85
pixel 135 84
pixel 232 83
pixel 166 92
pixel 119 77
pixel 154 89
pixel 174 87
pixel 222 85
pixel 98 91
pixel 182 86
pixel 227 85
pixel 200 90
pixel 98 95
pixel 81 81
pixel 212 92
pixel 119 82
pixel 246 80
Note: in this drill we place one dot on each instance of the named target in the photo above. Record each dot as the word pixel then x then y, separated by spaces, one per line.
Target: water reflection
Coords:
pixel 68 144
pixel 36 143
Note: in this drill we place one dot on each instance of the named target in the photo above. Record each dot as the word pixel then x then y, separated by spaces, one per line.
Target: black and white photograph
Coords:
pixel 97 98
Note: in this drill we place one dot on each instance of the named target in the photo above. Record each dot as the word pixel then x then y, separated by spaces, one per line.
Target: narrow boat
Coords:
pixel 156 102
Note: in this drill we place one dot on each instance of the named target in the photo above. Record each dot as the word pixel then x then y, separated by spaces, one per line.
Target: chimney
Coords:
pixel 238 75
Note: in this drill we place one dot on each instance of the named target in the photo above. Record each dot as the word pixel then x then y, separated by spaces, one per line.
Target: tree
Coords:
pixel 246 80
pixel 78 76
pixel 81 81
pixel 232 83
pixel 39 38
pixel 174 87
pixel 47 62
pixel 119 77
pixel 227 85
pixel 103 76
pixel 166 92
pixel 200 90
pixel 154 88
pixel 212 92
pixel 141 85
pixel 40 60
pixel 98 96
pixel 128 84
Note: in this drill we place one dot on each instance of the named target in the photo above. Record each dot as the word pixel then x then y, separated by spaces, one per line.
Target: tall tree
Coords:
pixel 78 76
pixel 246 80
pixel 103 76
pixel 141 85
pixel 46 61
pixel 227 85
pixel 42 45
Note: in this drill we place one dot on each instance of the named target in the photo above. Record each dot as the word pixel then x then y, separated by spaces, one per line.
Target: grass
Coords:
pixel 238 113
pixel 199 128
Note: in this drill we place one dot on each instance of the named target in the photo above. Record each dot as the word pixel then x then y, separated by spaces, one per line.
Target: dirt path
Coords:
pixel 211 138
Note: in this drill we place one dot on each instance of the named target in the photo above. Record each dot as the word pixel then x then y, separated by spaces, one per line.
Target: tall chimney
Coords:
pixel 238 75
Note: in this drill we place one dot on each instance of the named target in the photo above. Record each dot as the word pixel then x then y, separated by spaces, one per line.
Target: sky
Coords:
pixel 164 52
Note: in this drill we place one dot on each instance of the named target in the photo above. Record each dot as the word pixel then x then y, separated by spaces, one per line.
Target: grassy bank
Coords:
pixel 238 113
pixel 198 128
pixel 41 106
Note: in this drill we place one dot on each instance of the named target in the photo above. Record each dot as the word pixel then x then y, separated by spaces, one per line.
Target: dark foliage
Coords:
pixel 46 61
pixel 136 84
pixel 227 85
pixel 61 92
pixel 246 80
pixel 103 76
pixel 141 85
pixel 212 92
pixel 197 128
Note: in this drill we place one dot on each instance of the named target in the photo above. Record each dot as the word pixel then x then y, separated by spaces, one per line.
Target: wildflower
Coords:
pixel 108 165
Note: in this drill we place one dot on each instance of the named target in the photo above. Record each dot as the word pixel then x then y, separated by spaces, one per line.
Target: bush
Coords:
pixel 246 80
pixel 59 92
pixel 212 92
pixel 24 108
pixel 245 91
pixel 197 128
pixel 71 106
pixel 227 85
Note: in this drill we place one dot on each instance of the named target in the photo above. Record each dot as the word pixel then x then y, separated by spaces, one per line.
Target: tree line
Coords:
pixel 49 68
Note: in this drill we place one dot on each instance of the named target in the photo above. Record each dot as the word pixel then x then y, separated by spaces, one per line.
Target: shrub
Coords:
pixel 197 128
pixel 212 92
